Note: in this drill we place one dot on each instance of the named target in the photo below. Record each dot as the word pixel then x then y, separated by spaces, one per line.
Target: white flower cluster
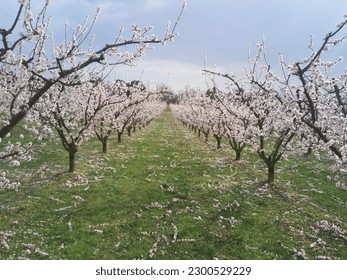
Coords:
pixel 6 183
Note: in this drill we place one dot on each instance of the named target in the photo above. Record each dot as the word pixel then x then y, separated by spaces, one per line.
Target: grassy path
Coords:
pixel 164 194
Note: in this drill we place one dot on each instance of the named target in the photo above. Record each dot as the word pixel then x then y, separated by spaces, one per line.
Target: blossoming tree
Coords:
pixel 30 56
pixel 308 100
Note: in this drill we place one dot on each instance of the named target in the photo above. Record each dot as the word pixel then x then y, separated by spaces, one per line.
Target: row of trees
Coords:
pixel 62 86
pixel 303 109
pixel 99 109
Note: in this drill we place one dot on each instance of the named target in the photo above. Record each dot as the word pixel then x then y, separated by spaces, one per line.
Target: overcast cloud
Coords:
pixel 222 28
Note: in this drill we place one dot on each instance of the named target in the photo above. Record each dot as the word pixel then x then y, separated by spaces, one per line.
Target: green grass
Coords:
pixel 165 194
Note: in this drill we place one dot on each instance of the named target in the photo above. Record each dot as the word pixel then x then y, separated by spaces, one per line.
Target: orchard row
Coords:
pixel 65 86
pixel 301 110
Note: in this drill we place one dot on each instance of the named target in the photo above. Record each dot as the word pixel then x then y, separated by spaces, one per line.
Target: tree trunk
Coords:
pixel 104 147
pixel 271 174
pixel 309 151
pixel 119 137
pixel 237 147
pixel 129 131
pixel 206 136
pixel 199 132
pixel 219 139
pixel 238 155
pixel 72 157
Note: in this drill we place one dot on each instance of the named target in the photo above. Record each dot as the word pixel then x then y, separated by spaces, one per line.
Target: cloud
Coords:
pixel 155 4
pixel 177 74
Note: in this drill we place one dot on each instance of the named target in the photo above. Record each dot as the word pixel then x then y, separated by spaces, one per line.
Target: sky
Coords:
pixel 219 32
